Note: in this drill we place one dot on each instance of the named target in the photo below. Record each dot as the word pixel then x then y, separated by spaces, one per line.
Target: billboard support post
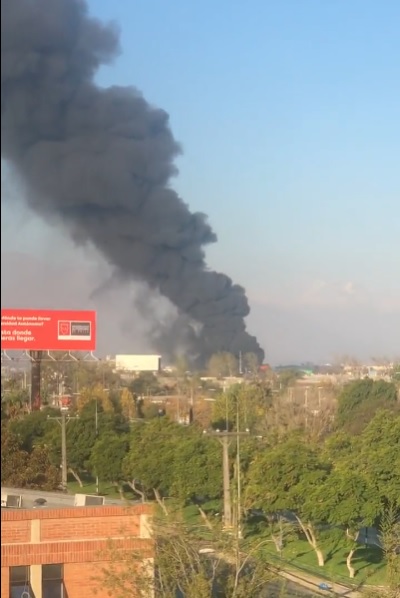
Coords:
pixel 36 374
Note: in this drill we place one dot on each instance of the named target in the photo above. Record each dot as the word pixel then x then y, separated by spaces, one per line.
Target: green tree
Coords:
pixel 288 377
pixel 26 470
pixel 166 459
pixel 89 394
pixel 390 540
pixel 379 457
pixel 359 401
pixel 243 404
pixel 31 427
pixel 40 473
pixel 82 435
pixel 150 460
pixel 13 459
pixel 396 373
pixel 128 405
pixel 284 478
pixel 14 401
pixel 364 481
pixel 348 500
pixel 389 534
pixel 107 458
pixel 197 468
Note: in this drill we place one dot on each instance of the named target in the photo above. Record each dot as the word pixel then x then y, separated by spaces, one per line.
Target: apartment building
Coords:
pixel 55 548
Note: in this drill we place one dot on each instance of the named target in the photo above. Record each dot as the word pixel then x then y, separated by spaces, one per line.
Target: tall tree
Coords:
pixel 284 479
pixel 166 459
pixel 107 458
pixel 128 405
pixel 31 427
pixel 98 393
pixel 379 457
pixel 40 473
pixel 26 470
pixel 245 405
pixel 223 364
pixel 348 500
pixel 359 401
pixel 13 458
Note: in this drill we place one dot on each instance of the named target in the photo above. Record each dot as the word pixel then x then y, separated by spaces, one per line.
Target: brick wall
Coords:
pixel 93 527
pixel 5 589
pixel 15 531
pixel 91 573
pixel 77 537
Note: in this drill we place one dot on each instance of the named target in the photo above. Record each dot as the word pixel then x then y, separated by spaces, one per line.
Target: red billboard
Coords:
pixel 48 330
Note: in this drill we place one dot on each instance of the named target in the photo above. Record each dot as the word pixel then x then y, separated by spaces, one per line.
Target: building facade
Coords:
pixel 60 552
pixel 138 363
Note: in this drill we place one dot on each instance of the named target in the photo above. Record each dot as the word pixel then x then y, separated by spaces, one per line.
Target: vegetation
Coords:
pixel 308 475
pixel 359 400
pixel 187 565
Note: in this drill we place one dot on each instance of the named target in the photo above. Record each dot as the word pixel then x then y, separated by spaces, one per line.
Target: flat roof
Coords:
pixel 40 499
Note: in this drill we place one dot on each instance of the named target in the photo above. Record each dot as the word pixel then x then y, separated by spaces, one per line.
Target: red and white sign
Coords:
pixel 48 330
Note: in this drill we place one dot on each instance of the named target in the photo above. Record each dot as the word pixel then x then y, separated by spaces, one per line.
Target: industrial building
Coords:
pixel 55 546
pixel 138 363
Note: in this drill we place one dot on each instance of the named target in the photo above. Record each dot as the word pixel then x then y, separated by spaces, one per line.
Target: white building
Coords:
pixel 138 363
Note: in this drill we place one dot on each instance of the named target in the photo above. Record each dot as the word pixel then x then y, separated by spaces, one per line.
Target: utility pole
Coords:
pixel 306 406
pixel 238 478
pixel 225 438
pixel 191 403
pixel 63 420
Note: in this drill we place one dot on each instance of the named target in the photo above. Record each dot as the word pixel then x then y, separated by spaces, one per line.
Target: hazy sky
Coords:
pixel 288 112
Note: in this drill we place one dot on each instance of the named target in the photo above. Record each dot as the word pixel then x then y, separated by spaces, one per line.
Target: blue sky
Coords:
pixel 289 116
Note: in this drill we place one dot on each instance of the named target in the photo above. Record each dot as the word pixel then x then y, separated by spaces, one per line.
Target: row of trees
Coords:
pixel 342 479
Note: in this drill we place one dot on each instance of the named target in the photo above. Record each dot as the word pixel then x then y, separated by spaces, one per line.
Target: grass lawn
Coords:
pixel 367 561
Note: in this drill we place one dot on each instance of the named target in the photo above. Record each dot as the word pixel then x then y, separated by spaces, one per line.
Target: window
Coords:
pixel 52 581
pixel 20 586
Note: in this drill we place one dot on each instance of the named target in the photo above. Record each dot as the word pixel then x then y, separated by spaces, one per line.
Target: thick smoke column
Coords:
pixel 99 161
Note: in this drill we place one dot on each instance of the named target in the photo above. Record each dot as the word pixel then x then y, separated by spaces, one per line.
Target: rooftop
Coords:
pixel 18 498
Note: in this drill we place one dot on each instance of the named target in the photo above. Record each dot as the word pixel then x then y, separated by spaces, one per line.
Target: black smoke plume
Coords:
pixel 99 162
